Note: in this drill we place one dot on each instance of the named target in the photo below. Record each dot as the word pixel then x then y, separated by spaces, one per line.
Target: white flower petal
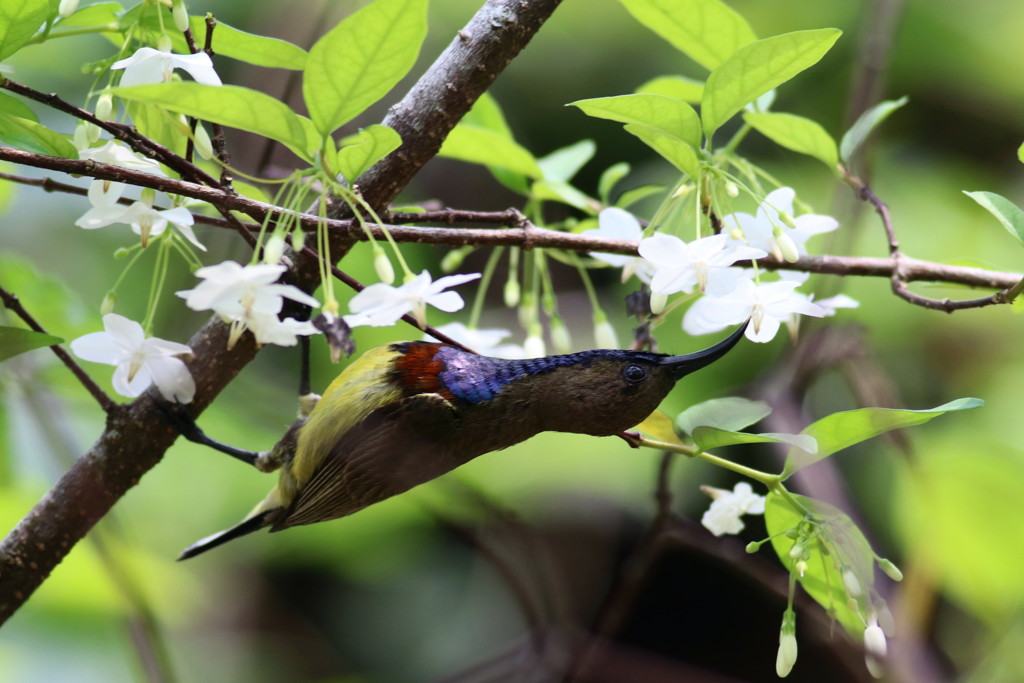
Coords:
pixel 172 378
pixel 449 302
pixel 98 347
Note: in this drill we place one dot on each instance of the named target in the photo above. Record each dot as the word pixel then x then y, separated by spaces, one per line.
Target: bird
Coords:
pixel 408 412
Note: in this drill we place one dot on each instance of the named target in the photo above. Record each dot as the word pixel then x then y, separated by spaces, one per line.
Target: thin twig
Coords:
pixel 11 302
pixel 126 134
pixel 910 269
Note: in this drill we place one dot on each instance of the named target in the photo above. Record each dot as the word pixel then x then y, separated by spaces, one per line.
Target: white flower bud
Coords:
pixel 163 43
pixel 81 136
pixel 67 8
pixel 92 132
pixel 787 247
pixel 604 334
pixel 147 196
pixel 204 146
pixel 453 259
pixel 273 250
pixel 786 657
pixel 108 303
pixel 852 583
pixel 658 302
pixel 534 344
pixel 512 292
pixel 298 239
pixel 890 569
pixel 560 338
pixel 180 14
pixel 732 190
pixel 382 264
pixel 104 106
pixel 874 648
pixel 801 568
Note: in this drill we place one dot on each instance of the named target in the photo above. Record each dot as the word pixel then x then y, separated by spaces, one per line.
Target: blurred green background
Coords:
pixel 432 585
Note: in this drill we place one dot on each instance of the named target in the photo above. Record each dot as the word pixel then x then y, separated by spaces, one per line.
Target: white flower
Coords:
pixel 244 296
pixel 704 263
pixel 874 647
pixel 619 224
pixel 117 154
pixel 381 305
pixel 148 65
pixel 774 229
pixel 766 305
pixel 723 517
pixel 107 192
pixel 140 361
pixel 145 220
pixel 486 342
pixel 269 329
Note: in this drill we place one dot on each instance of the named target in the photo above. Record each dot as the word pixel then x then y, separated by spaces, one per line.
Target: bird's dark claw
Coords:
pixel 180 419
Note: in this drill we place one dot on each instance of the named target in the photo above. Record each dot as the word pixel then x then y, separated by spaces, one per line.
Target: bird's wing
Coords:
pixel 393 449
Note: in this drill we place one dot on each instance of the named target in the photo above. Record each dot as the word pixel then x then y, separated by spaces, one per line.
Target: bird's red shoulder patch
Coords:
pixel 418 368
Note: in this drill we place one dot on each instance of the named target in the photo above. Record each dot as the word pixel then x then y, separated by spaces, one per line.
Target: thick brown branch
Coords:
pixel 463 72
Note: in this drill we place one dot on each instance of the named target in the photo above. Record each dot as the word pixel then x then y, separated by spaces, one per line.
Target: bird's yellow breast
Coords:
pixel 361 388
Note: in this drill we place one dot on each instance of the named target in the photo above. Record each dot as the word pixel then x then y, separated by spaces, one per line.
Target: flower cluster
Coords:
pixel 728 294
pixel 249 298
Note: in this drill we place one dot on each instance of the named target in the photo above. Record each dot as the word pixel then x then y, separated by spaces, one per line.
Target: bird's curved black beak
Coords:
pixel 684 365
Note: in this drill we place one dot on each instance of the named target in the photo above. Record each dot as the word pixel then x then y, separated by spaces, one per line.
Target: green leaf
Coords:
pixel 666 116
pixel 100 14
pixel 486 113
pixel 249 47
pixel 15 107
pixel 15 340
pixel 1020 153
pixel 34 137
pixel 711 437
pixel 358 61
pixel 796 133
pixel 637 194
pixel 1005 211
pixel 659 425
pixel 679 87
pixel 609 179
pixel 491 149
pixel 843 429
pixel 839 542
pixel 866 123
pixel 364 149
pixel 758 67
pixel 565 193
pixel 562 164
pixel 731 413
pixel 673 150
pixel 707 31
pixel 19 21
pixel 234 106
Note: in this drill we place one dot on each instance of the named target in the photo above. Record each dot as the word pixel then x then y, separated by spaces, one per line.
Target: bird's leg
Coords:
pixel 178 417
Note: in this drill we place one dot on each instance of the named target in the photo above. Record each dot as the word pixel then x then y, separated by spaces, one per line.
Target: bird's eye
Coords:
pixel 634 374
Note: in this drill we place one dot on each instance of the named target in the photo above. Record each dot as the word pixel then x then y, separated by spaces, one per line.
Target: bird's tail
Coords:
pixel 246 526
